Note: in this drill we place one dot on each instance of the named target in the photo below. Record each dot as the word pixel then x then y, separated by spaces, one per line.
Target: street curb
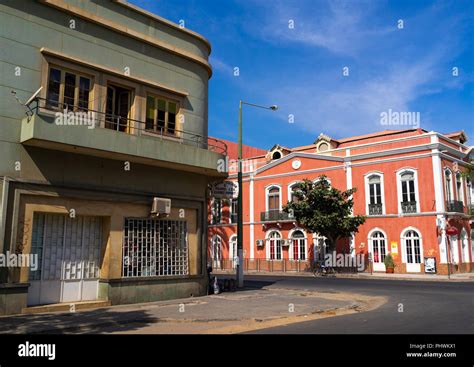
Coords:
pixel 356 276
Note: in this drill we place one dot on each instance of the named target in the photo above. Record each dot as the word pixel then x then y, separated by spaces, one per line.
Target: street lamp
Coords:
pixel 240 225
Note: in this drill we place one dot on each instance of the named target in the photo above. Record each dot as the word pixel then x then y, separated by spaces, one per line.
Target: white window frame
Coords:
pixel 451 188
pixel 233 254
pixel 367 190
pixel 290 189
pixel 231 211
pixel 267 243
pixel 267 192
pixel 316 238
pixel 459 195
pixel 213 238
pixel 379 266
pixel 399 173
pixel 464 246
pixel 415 267
pixel 305 238
pixel 213 211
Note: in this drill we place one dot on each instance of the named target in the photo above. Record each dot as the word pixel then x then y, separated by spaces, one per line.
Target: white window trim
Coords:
pixel 232 255
pixel 267 189
pixel 445 169
pixel 290 188
pixel 459 196
pixel 213 211
pixel 369 239
pixel 267 242
pixel 290 237
pixel 231 211
pixel 327 178
pixel 367 191
pixel 399 173
pixel 403 244
pixel 214 237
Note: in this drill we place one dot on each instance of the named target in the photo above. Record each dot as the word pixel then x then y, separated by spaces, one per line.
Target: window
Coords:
pixel 216 250
pixel 375 199
pixel 323 147
pixel 448 184
pixel 233 210
pixel 299 245
pixel 216 211
pixel 407 192
pixel 412 247
pixel 274 246
pixel 68 90
pixel 161 115
pixel 469 191
pixel 319 247
pixel 459 188
pixel 273 199
pixel 378 247
pixel 276 155
pixel 291 193
pixel 118 108
pixel 155 247
pixel 233 250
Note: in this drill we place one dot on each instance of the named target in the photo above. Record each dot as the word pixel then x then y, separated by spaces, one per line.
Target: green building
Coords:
pixel 104 172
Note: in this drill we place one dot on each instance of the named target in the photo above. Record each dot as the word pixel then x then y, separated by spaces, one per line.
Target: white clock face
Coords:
pixel 296 164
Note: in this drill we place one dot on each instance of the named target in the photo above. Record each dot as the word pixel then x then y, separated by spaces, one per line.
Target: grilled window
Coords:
pixel 155 247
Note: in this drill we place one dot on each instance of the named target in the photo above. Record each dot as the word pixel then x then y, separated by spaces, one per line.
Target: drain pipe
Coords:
pixel 3 212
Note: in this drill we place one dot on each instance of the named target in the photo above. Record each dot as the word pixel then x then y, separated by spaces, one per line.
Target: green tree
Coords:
pixel 325 210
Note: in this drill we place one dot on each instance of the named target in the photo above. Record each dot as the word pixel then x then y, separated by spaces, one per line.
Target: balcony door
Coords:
pixel 118 108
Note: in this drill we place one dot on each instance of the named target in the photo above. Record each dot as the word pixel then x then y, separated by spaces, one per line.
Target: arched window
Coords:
pixel 464 246
pixel 378 247
pixel 459 188
pixel 448 185
pixel 412 250
pixel 407 191
pixel 374 193
pixel 273 199
pixel 319 247
pixel 274 245
pixel 292 188
pixel 276 155
pixel 233 249
pixel 216 250
pixel 298 250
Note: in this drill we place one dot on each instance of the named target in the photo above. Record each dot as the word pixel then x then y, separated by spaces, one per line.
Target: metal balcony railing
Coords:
pixel 455 206
pixel 133 127
pixel 275 215
pixel 408 207
pixel 375 209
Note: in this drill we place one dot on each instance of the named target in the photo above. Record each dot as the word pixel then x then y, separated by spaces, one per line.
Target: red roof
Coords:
pixel 247 151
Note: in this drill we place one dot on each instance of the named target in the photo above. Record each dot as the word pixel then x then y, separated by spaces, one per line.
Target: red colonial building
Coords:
pixel 410 186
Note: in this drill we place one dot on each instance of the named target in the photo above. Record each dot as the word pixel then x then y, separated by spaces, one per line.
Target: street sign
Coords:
pixel 225 190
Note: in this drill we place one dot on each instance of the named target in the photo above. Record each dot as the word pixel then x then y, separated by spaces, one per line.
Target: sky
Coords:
pixel 333 66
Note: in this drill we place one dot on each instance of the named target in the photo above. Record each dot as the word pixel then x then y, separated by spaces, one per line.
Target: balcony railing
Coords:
pixel 131 126
pixel 455 206
pixel 275 215
pixel 408 207
pixel 375 209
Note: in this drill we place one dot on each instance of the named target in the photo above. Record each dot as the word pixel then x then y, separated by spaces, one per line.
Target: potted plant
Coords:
pixel 389 263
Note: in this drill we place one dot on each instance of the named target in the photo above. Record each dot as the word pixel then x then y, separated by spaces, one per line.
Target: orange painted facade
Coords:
pixel 422 192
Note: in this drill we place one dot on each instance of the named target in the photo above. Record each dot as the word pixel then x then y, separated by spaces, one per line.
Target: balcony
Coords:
pixel 408 207
pixel 275 216
pixel 102 135
pixel 375 209
pixel 455 206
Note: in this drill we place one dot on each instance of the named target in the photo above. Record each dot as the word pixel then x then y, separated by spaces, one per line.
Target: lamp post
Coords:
pixel 240 224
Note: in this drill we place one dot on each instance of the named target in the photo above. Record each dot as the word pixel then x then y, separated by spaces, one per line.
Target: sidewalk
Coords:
pixel 244 310
pixel 464 277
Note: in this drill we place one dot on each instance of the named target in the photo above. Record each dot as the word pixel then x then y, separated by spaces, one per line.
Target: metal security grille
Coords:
pixel 155 247
pixel 67 248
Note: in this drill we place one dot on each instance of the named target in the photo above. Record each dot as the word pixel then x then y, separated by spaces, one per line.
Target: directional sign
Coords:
pixel 225 190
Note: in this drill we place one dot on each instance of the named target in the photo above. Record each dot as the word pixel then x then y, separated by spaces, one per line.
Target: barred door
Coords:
pixel 155 247
pixel 68 251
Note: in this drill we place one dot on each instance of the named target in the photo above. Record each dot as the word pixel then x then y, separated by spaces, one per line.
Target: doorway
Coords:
pixel 118 108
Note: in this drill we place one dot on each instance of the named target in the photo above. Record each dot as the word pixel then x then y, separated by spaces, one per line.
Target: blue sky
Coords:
pixel 301 68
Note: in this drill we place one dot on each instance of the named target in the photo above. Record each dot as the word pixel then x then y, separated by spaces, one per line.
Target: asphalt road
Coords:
pixel 428 307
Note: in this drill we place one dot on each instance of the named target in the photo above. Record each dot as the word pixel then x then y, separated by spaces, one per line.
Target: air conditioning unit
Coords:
pixel 161 206
pixel 260 243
